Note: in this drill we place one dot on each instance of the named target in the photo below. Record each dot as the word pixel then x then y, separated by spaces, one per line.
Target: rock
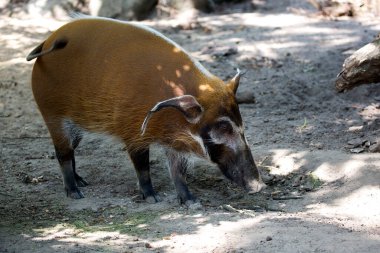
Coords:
pixel 148 245
pixel 194 205
pixel 355 128
pixel 375 148
pixel 357 142
pixel 268 238
pixel 27 179
pixel 222 51
pixel 246 97
pixel 123 9
pixel 357 150
pixel 372 125
pixel 317 145
pixel 225 51
pixel 201 5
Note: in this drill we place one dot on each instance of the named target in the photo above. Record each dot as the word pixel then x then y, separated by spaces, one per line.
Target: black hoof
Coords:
pixel 193 205
pixel 151 197
pixel 187 199
pixel 80 181
pixel 74 194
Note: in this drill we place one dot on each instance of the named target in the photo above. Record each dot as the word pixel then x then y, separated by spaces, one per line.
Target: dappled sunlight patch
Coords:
pixel 329 173
pixel 259 20
pixel 13 61
pixel 70 236
pixel 371 112
pixel 13 41
pixel 198 218
pixel 286 161
pixel 208 236
pixel 262 49
pixel 57 231
pixel 36 24
pixel 356 209
pixel 69 233
pixel 20 36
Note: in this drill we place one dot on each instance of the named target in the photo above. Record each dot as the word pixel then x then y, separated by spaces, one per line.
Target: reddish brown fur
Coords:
pixel 110 74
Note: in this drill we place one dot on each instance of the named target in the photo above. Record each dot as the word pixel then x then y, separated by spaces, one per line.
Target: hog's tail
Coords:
pixel 37 52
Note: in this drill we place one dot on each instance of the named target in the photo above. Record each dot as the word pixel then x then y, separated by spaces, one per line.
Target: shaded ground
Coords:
pixel 321 196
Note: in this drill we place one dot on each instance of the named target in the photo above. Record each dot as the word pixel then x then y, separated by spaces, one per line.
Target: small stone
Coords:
pixel 269 238
pixel 246 98
pixel 357 150
pixel 27 179
pixel 148 245
pixel 357 142
pixel 194 205
pixel 374 148
pixel 225 51
pixel 355 128
pixel 317 145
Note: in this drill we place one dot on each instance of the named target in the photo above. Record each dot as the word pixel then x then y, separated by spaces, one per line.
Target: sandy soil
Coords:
pixel 311 144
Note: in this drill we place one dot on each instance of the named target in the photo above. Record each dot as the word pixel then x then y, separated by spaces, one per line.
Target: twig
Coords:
pixel 265 158
pixel 287 197
pixel 267 167
pixel 234 210
pixel 273 209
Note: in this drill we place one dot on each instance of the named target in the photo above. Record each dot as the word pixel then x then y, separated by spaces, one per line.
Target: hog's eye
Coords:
pixel 224 127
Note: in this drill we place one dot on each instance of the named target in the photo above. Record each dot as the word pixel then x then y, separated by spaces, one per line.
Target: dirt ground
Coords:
pixel 312 145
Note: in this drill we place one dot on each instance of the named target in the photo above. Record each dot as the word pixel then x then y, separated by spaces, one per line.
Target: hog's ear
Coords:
pixel 186 104
pixel 233 84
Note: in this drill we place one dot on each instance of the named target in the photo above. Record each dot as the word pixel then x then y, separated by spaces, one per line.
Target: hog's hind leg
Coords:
pixel 66 138
pixel 76 138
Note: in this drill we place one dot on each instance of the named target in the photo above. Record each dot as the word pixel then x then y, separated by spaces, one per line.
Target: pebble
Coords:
pixel 246 98
pixel 317 145
pixel 355 128
pixel 194 206
pixel 375 148
pixel 357 150
pixel 357 142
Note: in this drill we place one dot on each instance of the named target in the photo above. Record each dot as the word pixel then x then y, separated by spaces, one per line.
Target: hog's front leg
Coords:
pixel 140 159
pixel 178 165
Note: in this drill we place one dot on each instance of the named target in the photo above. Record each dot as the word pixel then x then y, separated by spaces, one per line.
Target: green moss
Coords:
pixel 314 181
pixel 132 224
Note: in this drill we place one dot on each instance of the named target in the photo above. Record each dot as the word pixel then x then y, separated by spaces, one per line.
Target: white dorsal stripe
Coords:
pixel 197 64
pixel 158 34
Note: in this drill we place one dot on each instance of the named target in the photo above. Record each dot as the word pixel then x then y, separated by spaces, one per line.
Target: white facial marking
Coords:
pixel 234 141
pixel 199 140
